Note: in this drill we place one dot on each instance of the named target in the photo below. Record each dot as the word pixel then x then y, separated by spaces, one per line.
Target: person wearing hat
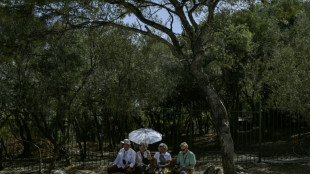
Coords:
pixel 143 159
pixel 125 160
pixel 186 160
pixel 163 158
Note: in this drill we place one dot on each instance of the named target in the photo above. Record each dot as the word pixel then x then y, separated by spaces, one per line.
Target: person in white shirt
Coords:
pixel 163 158
pixel 125 160
pixel 143 159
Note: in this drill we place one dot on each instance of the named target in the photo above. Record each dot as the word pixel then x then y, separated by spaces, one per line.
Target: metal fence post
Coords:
pixel 260 133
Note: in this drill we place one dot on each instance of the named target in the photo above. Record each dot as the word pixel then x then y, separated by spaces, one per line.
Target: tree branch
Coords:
pixel 135 10
pixel 179 11
pixel 190 15
pixel 206 27
pixel 175 47
pixel 147 33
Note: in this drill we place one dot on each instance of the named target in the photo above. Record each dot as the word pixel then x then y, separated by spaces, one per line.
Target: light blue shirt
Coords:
pixel 167 156
pixel 129 156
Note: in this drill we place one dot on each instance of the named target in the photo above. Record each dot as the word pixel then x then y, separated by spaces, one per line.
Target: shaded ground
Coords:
pixel 284 168
pixel 263 168
pixel 252 168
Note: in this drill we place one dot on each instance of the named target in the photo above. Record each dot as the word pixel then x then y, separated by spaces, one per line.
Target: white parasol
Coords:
pixel 147 135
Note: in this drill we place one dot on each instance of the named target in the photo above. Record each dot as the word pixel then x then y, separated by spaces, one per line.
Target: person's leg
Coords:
pixel 114 169
pixel 128 170
pixel 190 171
pixel 138 170
pixel 157 170
pixel 174 172
pixel 161 170
pixel 145 169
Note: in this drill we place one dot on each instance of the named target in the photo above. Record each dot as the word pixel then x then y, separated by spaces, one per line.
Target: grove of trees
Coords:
pixel 78 67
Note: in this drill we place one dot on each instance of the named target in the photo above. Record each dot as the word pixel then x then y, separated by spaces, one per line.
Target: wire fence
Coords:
pixel 259 136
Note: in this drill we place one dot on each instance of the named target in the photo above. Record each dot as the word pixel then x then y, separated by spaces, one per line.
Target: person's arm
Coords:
pixel 149 155
pixel 153 162
pixel 178 159
pixel 156 156
pixel 190 167
pixel 133 159
pixel 177 167
pixel 116 161
pixel 178 162
pixel 165 165
pixel 137 159
pixel 192 162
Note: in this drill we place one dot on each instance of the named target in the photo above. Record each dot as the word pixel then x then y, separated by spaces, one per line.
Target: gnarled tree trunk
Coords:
pixel 219 114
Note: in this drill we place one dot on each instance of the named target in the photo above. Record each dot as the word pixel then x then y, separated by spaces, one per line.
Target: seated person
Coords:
pixel 125 160
pixel 163 158
pixel 143 158
pixel 186 160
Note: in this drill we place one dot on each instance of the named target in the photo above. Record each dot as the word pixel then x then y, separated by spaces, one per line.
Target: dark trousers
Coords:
pixel 140 170
pixel 114 169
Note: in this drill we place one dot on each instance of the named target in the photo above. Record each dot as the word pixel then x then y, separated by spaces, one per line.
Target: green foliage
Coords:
pixel 253 50
pixel 275 70
pixel 288 67
pixel 58 73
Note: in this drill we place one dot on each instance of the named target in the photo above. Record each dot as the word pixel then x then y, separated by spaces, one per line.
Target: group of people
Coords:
pixel 128 160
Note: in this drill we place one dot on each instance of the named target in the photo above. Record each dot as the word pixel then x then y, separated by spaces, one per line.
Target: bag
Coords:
pixel 162 160
pixel 145 161
pixel 166 171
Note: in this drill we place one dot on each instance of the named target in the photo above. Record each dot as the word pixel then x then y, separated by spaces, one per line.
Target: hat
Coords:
pixel 125 141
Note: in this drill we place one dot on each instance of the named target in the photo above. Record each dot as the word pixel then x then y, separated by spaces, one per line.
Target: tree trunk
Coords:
pixel 25 141
pixel 1 167
pixel 108 131
pixel 27 149
pixel 56 151
pixel 98 129
pixel 219 114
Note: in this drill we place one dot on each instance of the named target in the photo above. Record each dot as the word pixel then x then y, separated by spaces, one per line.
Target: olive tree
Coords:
pixel 196 30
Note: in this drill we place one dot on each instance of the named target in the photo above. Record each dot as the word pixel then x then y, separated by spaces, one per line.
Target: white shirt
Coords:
pixel 129 156
pixel 167 156
pixel 139 156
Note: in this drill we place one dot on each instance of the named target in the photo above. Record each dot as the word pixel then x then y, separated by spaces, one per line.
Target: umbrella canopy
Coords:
pixel 149 136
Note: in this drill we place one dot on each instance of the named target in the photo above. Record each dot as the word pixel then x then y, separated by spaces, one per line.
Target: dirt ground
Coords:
pixel 264 168
pixel 251 168
pixel 280 168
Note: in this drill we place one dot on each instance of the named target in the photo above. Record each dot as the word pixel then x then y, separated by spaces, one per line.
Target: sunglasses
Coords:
pixel 183 149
